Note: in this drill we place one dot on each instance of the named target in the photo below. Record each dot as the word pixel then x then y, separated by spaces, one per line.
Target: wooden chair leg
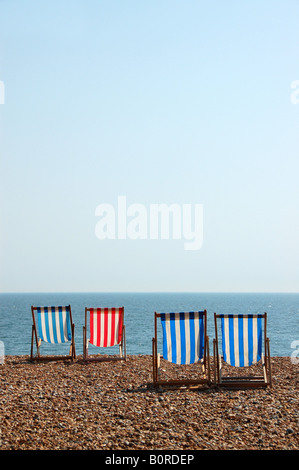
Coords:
pixel 32 339
pixel 84 344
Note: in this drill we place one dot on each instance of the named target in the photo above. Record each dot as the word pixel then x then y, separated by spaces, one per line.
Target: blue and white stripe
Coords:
pixel 54 325
pixel 241 339
pixel 183 337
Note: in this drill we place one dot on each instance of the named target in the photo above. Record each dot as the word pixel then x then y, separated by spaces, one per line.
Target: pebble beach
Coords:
pixel 113 406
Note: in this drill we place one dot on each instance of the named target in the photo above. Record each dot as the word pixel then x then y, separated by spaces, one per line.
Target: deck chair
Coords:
pixel 52 325
pixel 243 345
pixel 185 342
pixel 107 329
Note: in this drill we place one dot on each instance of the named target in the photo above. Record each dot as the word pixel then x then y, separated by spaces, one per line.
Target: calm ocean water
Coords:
pixel 16 319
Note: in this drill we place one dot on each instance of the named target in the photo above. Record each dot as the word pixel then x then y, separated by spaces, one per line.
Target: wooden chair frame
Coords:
pixel 100 358
pixel 204 363
pixel 38 341
pixel 249 381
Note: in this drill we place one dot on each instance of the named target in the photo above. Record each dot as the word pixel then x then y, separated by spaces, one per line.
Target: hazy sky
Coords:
pixel 160 101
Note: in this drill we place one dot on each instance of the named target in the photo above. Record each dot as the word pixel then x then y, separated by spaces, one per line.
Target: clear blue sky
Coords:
pixel 185 102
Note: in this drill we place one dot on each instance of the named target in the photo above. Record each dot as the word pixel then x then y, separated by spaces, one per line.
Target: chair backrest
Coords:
pixel 183 336
pixel 54 323
pixel 242 338
pixel 106 326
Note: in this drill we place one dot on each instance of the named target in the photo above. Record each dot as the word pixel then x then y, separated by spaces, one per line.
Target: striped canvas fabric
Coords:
pixel 54 325
pixel 183 337
pixel 241 339
pixel 106 326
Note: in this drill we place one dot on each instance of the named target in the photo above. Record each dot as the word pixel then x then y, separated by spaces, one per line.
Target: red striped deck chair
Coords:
pixel 107 329
pixel 52 325
pixel 245 348
pixel 184 343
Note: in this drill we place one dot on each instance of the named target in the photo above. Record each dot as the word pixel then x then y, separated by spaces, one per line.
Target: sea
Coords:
pixel 16 318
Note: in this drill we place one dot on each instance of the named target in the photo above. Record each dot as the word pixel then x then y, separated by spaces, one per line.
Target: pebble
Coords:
pixel 114 406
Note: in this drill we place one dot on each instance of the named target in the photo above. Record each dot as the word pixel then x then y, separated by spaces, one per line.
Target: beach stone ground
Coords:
pixel 114 406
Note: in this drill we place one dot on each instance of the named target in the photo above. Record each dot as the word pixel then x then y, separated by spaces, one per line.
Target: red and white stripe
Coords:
pixel 106 326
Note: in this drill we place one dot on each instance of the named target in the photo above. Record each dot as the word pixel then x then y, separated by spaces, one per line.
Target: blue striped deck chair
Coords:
pixel 184 342
pixel 52 325
pixel 244 344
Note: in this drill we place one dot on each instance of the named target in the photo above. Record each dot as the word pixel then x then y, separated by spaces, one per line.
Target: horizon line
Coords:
pixel 149 292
